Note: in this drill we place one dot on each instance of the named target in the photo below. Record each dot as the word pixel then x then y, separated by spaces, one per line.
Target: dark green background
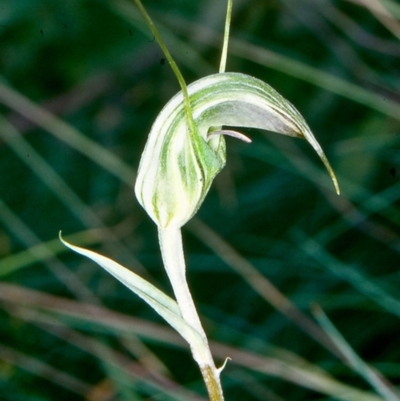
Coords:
pixel 96 66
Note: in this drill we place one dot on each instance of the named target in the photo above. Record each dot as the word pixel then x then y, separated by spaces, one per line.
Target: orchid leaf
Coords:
pixel 165 306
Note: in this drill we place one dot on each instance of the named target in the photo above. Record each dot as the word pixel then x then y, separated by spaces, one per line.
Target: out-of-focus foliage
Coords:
pixel 81 83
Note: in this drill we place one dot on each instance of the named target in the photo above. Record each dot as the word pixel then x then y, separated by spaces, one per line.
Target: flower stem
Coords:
pixel 174 262
pixel 213 383
pixel 173 65
pixel 222 65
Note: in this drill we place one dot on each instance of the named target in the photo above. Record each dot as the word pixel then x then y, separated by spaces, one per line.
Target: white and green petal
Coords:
pixel 178 166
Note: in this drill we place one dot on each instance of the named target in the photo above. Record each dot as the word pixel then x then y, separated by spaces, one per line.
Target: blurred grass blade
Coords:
pixel 42 250
pixel 192 60
pixel 368 203
pixel 392 7
pixel 258 282
pixel 136 370
pixel 354 360
pixel 290 66
pixel 316 77
pixel 93 318
pixel 66 133
pixel 61 190
pixel 303 374
pixel 47 174
pixel 44 370
pixel 383 15
pixel 358 280
pixel 39 249
pixel 123 384
pixel 160 302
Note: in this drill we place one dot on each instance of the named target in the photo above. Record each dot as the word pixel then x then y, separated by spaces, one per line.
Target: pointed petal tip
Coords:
pixel 336 184
pixel 337 187
pixel 331 173
pixel 64 242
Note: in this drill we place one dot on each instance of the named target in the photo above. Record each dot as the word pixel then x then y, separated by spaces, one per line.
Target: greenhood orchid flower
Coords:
pixel 178 166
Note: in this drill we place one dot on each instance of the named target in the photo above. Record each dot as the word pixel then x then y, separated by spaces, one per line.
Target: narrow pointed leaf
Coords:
pixel 160 302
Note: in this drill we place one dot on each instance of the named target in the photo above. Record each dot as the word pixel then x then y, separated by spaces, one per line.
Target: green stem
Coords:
pixel 173 258
pixel 174 262
pixel 224 55
pixel 172 63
